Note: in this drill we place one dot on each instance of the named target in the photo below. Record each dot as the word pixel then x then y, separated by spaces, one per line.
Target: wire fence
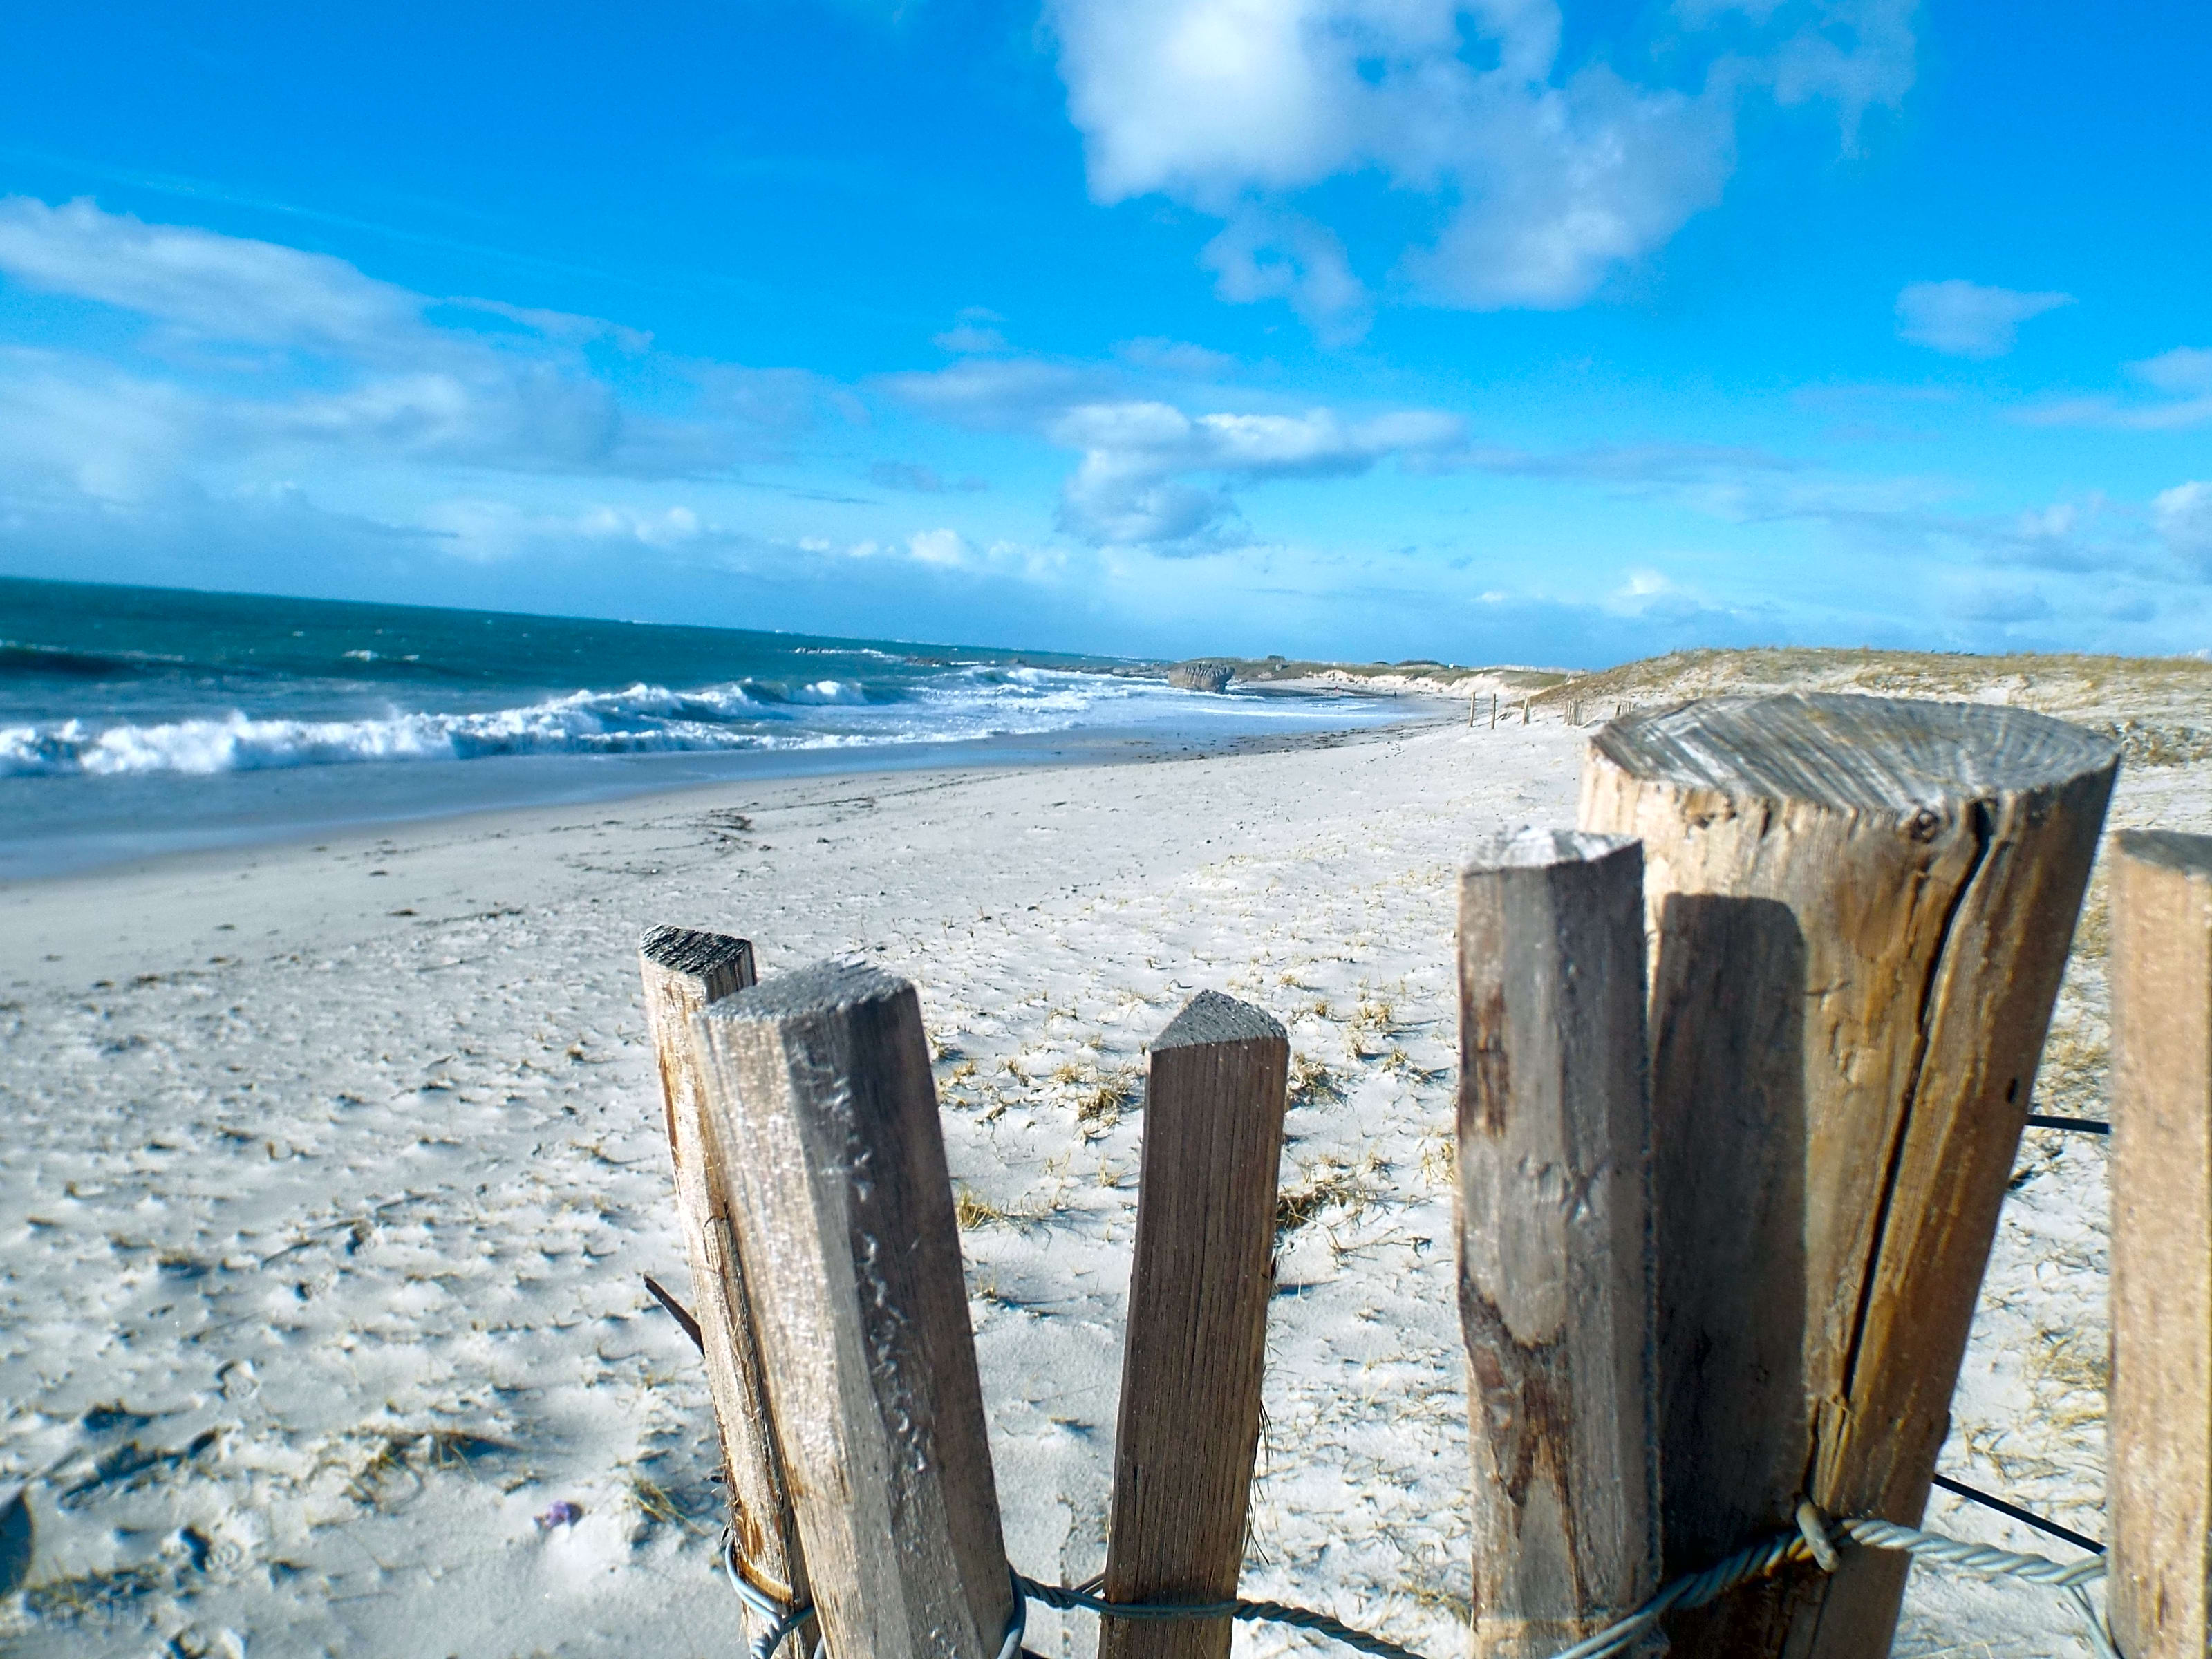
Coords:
pixel 1814 1542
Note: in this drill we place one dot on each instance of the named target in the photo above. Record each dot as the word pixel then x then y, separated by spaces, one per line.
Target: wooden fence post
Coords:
pixel 1860 909
pixel 1556 1283
pixel 1493 711
pixel 2159 1484
pixel 685 972
pixel 1197 1331
pixel 844 1219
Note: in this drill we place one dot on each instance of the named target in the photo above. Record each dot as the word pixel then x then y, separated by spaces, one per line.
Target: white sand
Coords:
pixel 332 1173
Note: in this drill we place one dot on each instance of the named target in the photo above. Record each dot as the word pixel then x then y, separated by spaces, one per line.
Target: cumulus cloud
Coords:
pixel 1541 177
pixel 1135 483
pixel 1153 473
pixel 1966 319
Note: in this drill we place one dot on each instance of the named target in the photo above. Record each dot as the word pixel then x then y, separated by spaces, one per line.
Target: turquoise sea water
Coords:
pixel 137 720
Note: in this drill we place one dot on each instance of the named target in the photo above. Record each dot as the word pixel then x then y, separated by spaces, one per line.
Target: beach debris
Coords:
pixel 677 1310
pixel 561 1513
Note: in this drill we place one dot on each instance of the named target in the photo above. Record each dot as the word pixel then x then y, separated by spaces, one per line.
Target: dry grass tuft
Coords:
pixel 95 1594
pixel 657 1503
pixel 1311 1082
pixel 1099 1104
pixel 971 1210
pixel 1325 1184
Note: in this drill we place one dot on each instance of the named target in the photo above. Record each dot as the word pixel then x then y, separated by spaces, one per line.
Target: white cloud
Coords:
pixel 946 548
pixel 663 527
pixel 1152 473
pixel 2185 373
pixel 1874 68
pixel 1268 255
pixel 998 394
pixel 1133 485
pixel 339 363
pixel 224 288
pixel 1177 357
pixel 1966 319
pixel 1544 177
pixel 970 339
pixel 90 430
pixel 2183 517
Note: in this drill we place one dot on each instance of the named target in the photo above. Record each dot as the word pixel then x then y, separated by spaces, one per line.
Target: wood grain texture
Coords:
pixel 2159 1482
pixel 845 1223
pixel 1197 1333
pixel 1557 1289
pixel 684 972
pixel 1858 912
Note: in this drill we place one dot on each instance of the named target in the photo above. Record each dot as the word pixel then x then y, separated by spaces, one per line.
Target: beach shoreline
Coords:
pixel 419 793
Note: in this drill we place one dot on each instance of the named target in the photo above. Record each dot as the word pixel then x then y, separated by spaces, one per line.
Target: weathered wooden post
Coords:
pixel 844 1220
pixel 685 972
pixel 1493 711
pixel 1859 911
pixel 1556 1282
pixel 2159 1483
pixel 1197 1331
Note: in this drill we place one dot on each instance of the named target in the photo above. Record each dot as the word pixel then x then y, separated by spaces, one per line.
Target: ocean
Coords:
pixel 137 721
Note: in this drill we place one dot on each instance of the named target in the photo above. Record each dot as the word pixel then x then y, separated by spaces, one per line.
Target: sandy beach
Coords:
pixel 334 1170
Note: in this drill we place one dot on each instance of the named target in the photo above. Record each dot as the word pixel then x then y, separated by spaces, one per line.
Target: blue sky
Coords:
pixel 1363 328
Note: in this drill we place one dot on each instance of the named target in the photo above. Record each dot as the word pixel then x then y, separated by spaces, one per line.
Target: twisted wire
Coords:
pixel 1812 1543
pixel 1065 1597
pixel 777 1619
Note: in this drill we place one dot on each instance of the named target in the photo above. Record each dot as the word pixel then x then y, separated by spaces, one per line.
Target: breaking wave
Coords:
pixel 643 719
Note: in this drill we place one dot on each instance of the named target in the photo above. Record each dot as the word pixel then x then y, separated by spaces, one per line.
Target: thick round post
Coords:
pixel 1859 911
pixel 1556 1281
pixel 686 971
pixel 1197 1333
pixel 844 1221
pixel 2159 1484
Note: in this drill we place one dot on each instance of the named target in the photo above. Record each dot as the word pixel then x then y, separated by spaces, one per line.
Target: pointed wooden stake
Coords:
pixel 844 1220
pixel 1557 1281
pixel 2159 1487
pixel 685 972
pixel 1197 1332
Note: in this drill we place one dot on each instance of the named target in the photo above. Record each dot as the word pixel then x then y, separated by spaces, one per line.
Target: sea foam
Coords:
pixel 641 719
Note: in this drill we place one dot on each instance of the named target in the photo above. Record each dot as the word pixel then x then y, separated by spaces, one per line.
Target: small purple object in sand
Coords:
pixel 563 1514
